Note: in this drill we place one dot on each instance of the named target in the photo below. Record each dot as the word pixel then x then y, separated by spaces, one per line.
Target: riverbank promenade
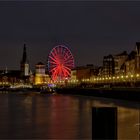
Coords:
pixel 132 94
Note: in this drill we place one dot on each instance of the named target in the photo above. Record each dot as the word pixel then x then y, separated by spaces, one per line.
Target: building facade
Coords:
pixel 84 72
pixel 108 66
pixel 40 74
pixel 119 60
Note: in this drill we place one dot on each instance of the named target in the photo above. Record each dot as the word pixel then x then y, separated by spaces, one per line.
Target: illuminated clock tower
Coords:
pixel 24 65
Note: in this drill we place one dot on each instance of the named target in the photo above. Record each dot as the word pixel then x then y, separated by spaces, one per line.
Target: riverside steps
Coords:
pixel 123 93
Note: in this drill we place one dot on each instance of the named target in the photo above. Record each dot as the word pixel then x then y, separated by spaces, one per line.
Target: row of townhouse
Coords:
pixel 113 65
pixel 122 64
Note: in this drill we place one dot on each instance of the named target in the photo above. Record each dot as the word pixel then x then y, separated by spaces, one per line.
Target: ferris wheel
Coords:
pixel 60 63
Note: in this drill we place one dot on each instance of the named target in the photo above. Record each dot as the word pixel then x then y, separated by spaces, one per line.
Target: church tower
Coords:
pixel 137 58
pixel 24 65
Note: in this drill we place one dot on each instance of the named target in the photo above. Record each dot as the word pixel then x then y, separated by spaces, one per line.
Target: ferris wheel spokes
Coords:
pixel 60 62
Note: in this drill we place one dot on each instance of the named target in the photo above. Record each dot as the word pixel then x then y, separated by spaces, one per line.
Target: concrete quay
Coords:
pixel 132 94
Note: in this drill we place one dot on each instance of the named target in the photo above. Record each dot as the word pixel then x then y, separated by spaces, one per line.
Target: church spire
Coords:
pixel 24 65
pixel 24 57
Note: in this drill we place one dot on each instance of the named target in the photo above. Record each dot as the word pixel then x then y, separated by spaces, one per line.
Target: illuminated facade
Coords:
pixel 10 77
pixel 84 72
pixel 108 66
pixel 40 76
pixel 73 74
pixel 122 64
pixel 130 63
pixel 119 60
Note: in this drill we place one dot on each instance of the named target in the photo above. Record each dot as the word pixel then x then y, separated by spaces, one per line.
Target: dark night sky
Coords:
pixel 90 29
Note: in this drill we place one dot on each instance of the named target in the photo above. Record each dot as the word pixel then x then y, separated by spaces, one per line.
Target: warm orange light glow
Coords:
pixel 122 76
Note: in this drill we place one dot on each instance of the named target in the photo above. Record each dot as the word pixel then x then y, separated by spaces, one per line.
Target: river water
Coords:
pixel 35 116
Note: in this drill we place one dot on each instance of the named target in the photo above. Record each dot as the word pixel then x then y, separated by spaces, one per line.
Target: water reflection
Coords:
pixel 60 117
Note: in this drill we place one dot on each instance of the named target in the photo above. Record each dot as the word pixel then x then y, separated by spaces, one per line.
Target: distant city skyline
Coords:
pixel 91 30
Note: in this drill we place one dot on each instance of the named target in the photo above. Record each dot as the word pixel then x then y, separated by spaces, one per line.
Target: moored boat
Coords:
pixel 47 90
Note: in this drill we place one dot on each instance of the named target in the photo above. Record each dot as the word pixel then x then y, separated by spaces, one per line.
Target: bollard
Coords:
pixel 104 123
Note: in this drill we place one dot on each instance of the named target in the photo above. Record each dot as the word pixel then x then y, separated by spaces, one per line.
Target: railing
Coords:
pixel 135 78
pixel 132 78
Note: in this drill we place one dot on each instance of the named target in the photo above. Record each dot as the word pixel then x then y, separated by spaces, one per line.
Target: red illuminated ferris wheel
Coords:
pixel 60 63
